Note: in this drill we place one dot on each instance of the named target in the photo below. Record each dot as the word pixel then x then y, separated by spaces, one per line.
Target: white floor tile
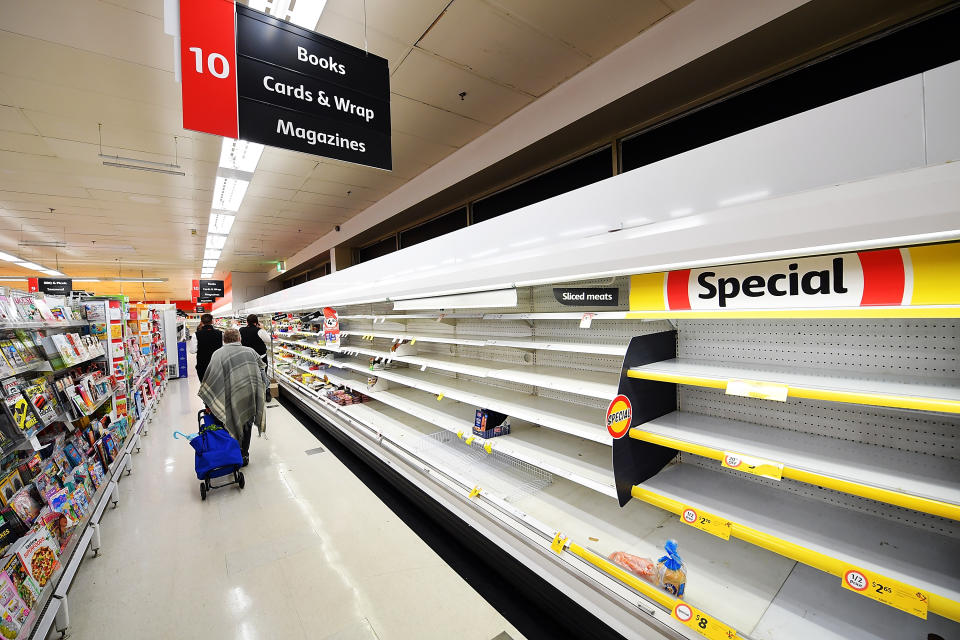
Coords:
pixel 304 551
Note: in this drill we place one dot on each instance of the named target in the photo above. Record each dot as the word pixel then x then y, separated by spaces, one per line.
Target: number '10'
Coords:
pixel 212 61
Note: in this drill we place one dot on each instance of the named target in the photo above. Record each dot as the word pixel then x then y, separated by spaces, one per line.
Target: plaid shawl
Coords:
pixel 234 388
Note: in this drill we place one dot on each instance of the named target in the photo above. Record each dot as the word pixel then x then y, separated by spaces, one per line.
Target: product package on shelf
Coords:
pixel 490 424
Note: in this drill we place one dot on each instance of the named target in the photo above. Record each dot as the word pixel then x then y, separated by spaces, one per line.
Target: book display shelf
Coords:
pixel 788 450
pixel 67 433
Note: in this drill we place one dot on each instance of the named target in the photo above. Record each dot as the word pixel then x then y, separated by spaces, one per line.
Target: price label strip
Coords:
pixel 714 525
pixel 752 465
pixel 707 626
pixel 754 389
pixel 882 589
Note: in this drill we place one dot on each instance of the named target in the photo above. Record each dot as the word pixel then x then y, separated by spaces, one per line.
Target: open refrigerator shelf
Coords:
pixel 424 405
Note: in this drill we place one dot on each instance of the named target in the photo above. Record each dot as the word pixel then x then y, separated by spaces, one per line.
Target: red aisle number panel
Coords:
pixel 208 54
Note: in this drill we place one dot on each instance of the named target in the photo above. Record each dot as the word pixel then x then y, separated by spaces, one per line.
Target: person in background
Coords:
pixel 233 390
pixel 208 339
pixel 256 338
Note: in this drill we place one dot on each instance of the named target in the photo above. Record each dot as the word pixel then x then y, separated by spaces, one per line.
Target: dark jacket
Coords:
pixel 208 341
pixel 249 338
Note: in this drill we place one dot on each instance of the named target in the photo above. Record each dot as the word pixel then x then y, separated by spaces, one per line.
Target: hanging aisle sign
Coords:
pixel 251 76
pixel 917 276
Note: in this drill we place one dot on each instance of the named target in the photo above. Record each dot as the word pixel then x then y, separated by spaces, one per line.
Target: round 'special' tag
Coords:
pixel 619 415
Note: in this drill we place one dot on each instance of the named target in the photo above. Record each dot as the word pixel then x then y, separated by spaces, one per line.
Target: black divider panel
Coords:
pixel 633 460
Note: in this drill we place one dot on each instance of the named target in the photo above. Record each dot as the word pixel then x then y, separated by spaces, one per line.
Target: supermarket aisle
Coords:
pixel 304 551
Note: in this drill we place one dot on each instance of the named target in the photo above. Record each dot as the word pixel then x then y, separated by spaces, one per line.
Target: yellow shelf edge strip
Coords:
pixel 859 312
pixel 834 566
pixel 872 399
pixel 917 503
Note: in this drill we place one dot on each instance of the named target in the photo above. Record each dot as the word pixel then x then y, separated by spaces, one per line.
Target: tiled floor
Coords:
pixel 304 551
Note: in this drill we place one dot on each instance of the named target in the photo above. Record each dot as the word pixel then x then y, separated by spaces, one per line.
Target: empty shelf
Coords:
pixel 912 480
pixel 884 390
pixel 824 536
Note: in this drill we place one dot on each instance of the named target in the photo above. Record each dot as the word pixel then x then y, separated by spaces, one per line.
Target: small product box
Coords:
pixel 40 555
pixel 490 424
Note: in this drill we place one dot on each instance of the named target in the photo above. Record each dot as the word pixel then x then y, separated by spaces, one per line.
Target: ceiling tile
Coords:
pixel 580 25
pixel 438 82
pixel 432 123
pixel 497 46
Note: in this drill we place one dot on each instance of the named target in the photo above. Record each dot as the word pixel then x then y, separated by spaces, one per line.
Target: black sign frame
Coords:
pixel 305 60
pixel 587 296
pixel 55 286
pixel 210 289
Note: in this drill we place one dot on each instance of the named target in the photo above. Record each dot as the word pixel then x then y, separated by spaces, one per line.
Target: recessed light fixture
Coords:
pixel 240 155
pixel 212 254
pixel 228 193
pixel 220 223
pixel 209 264
pixel 216 241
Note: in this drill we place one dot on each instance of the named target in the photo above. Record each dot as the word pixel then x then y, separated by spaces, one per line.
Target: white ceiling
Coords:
pixel 109 62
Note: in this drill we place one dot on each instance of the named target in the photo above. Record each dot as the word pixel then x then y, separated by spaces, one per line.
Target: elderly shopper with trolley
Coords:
pixel 234 390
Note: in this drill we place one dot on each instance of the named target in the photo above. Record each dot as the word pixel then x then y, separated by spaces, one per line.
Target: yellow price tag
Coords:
pixel 439 397
pixel 705 625
pixel 470 439
pixel 559 543
pixel 414 341
pixel 475 492
pixel 755 389
pixel 488 447
pixel 882 589
pixel 460 434
pixel 753 466
pixel 708 522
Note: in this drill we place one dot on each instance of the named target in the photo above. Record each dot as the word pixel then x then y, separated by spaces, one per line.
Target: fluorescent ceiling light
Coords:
pixel 220 223
pixel 13 279
pixel 86 279
pixel 206 274
pixel 215 242
pixel 209 264
pixel 228 193
pixel 52 272
pixel 212 254
pixel 305 13
pixel 29 265
pixel 8 257
pixel 240 155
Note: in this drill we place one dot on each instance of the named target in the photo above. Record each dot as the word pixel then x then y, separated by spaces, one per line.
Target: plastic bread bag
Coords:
pixel 671 572
pixel 638 566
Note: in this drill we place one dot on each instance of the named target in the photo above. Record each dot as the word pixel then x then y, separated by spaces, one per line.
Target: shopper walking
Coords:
pixel 256 338
pixel 208 339
pixel 233 390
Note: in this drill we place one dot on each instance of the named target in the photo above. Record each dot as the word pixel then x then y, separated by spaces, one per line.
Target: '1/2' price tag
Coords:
pixel 706 626
pixel 708 522
pixel 753 466
pixel 890 592
pixel 754 389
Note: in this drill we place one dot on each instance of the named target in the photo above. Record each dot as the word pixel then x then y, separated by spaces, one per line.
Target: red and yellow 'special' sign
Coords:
pixel 619 415
pixel 907 278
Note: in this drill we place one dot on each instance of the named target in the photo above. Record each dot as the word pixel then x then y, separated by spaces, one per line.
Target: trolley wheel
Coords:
pixel 240 479
pixel 203 490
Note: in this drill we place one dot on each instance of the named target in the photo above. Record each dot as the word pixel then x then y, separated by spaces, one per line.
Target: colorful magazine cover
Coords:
pixel 26 587
pixel 40 555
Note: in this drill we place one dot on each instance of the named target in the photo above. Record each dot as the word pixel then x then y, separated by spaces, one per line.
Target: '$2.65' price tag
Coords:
pixel 706 626
pixel 889 592
pixel 706 522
